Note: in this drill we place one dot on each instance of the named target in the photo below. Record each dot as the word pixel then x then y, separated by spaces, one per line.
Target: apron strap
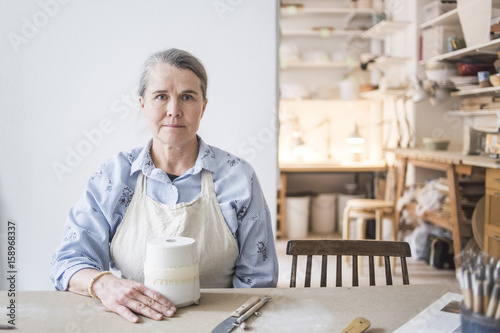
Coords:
pixel 207 182
pixel 140 186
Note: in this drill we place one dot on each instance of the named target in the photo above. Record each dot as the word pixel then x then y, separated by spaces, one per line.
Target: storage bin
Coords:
pixel 323 213
pixel 435 9
pixel 297 217
pixel 435 39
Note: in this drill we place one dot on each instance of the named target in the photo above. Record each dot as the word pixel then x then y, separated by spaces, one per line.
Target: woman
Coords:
pixel 175 186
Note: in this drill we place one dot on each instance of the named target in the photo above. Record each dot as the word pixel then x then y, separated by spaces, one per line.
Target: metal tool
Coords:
pixel 358 325
pixel 241 314
pixel 6 327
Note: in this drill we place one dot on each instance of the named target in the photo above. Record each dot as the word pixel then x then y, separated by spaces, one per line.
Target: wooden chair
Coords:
pixel 354 248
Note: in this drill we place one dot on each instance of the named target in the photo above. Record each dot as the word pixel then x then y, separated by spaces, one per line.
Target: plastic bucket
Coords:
pixel 323 213
pixel 297 217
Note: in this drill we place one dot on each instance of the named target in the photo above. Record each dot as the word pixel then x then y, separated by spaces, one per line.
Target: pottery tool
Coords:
pixel 358 325
pixel 241 314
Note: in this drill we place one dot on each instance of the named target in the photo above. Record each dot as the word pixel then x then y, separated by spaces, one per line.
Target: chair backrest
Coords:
pixel 351 248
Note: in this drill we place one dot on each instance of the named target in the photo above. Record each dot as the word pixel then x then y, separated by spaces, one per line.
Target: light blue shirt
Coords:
pixel 93 221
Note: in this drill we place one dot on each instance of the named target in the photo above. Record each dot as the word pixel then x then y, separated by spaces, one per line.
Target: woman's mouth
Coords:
pixel 173 126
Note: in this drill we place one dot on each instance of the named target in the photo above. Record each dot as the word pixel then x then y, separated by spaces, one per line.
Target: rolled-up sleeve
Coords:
pixel 85 242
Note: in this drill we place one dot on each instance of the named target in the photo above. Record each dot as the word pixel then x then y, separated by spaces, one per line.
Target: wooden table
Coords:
pixel 454 163
pixel 355 167
pixel 290 310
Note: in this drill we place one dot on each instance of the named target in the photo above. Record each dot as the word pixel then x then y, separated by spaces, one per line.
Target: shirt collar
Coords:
pixel 205 160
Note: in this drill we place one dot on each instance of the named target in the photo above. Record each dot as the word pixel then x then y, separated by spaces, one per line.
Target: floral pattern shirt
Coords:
pixel 93 221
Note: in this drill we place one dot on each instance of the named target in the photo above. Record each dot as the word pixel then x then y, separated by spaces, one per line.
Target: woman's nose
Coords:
pixel 173 109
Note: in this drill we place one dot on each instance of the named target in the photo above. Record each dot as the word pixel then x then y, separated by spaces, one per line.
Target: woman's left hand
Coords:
pixel 125 297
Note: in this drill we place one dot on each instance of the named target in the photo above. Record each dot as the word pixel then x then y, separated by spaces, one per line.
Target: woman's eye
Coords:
pixel 161 97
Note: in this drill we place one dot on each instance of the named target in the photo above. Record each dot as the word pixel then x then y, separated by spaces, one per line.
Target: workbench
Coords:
pixel 454 164
pixel 289 310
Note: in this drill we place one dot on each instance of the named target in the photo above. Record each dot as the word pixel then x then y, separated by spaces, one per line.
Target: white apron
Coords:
pixel 200 219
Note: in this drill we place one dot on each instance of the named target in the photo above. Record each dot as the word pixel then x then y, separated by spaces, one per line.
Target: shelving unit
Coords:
pixel 338 33
pixel 492 211
pixel 487 120
pixel 385 28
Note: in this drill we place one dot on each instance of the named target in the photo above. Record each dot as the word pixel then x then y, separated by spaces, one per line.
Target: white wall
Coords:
pixel 69 69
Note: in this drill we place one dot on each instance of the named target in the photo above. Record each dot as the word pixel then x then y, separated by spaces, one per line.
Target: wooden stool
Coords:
pixel 368 209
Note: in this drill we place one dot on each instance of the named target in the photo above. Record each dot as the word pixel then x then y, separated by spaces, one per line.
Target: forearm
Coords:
pixel 79 282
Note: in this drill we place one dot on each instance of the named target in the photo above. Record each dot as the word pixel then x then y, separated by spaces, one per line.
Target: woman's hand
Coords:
pixel 124 297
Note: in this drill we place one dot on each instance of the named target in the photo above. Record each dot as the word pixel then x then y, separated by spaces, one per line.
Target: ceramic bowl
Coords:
pixel 436 144
pixel 495 80
pixel 469 69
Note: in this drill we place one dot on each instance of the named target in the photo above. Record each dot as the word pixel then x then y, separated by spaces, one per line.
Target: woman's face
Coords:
pixel 173 105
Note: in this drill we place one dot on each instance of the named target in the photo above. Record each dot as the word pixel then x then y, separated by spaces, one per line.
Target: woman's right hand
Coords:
pixel 125 297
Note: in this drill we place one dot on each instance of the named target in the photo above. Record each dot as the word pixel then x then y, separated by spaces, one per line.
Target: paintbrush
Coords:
pixel 477 292
pixel 493 304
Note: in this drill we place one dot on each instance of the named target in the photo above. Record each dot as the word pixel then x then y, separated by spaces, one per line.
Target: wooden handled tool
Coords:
pixel 244 308
pixel 358 325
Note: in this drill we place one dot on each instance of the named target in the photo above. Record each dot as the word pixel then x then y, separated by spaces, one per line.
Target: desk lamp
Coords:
pixel 355 139
pixel 299 145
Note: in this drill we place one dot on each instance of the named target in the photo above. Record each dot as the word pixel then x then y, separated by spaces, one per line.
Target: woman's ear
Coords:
pixel 141 104
pixel 204 106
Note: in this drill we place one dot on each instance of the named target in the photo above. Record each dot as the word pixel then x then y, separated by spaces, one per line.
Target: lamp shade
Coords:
pixel 355 137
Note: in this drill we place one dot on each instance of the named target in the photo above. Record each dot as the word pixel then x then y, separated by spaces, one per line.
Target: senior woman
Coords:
pixel 176 185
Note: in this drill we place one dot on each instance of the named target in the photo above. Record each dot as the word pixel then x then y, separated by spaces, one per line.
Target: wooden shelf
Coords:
pixel 379 63
pixel 385 28
pixel 385 60
pixel 378 95
pixel 318 65
pixel 473 113
pixel 448 18
pixel 290 11
pixel 490 48
pixel 326 33
pixel 476 91
pixel 436 217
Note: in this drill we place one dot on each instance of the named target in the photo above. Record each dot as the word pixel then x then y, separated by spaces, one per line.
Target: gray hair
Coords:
pixel 176 58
